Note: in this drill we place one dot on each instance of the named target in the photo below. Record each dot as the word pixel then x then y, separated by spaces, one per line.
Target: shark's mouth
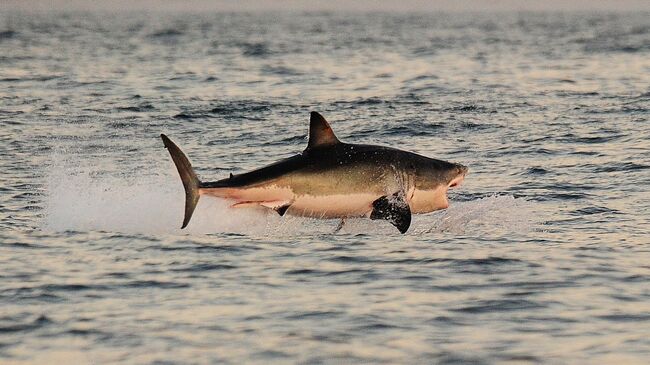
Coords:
pixel 456 181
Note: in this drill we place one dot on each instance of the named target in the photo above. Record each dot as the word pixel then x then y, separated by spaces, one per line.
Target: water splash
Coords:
pixel 496 212
pixel 84 197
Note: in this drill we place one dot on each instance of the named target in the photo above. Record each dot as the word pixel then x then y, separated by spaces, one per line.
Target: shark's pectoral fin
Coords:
pixel 282 209
pixel 280 206
pixel 393 208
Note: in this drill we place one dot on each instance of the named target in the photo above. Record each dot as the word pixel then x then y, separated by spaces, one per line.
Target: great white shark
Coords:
pixel 332 179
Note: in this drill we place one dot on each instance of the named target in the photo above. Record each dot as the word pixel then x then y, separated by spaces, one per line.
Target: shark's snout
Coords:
pixel 462 169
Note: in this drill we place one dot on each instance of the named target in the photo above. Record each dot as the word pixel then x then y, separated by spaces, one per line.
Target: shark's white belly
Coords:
pixel 332 206
pixel 325 206
pixel 304 205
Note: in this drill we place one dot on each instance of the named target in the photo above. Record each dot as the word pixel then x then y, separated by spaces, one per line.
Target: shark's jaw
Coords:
pixel 426 201
pixel 454 183
pixel 457 181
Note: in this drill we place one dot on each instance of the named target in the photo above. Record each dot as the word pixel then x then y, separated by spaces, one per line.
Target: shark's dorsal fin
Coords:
pixel 320 132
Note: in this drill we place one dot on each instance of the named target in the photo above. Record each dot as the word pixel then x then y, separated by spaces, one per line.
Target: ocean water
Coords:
pixel 543 256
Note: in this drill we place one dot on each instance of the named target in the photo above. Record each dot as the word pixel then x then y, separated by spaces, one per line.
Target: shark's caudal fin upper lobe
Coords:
pixel 191 182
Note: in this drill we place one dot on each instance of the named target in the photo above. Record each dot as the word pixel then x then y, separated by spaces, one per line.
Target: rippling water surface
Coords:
pixel 543 256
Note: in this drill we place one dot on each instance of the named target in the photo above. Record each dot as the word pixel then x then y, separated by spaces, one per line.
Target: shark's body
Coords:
pixel 331 179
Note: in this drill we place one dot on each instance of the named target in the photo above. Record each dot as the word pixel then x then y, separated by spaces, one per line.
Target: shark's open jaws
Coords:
pixel 332 179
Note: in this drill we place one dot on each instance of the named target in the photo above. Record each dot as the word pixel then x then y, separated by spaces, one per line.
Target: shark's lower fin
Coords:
pixel 191 182
pixel 279 206
pixel 393 208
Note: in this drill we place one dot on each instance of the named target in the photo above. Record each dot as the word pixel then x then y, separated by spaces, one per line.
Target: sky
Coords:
pixel 331 5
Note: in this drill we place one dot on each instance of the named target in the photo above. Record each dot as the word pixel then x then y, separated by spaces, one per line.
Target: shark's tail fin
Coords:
pixel 191 183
